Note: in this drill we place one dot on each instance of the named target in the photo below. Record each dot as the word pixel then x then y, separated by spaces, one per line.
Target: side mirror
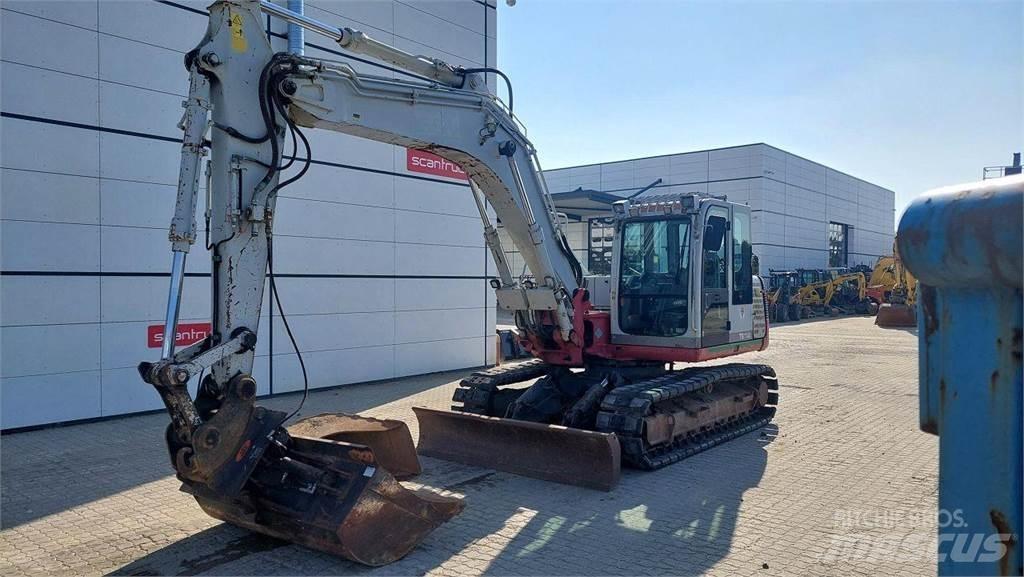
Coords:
pixel 714 233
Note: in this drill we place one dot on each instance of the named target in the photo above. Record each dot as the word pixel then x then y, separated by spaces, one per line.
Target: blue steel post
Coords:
pixel 296 33
pixel 964 244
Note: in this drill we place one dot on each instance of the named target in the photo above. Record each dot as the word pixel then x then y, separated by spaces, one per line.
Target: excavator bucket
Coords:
pixel 389 440
pixel 550 452
pixel 332 496
pixel 896 315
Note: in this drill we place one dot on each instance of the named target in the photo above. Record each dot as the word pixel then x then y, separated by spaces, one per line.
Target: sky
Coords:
pixel 907 95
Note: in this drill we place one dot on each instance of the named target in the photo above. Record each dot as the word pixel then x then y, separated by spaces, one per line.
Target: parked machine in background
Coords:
pixel 881 279
pixel 604 388
pixel 898 289
pixel 964 244
pixel 809 276
pixel 804 293
pixel 849 294
pixel 839 294
pixel 782 289
pixel 864 269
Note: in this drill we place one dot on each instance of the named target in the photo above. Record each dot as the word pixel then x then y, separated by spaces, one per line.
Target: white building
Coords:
pixel 381 269
pixel 804 214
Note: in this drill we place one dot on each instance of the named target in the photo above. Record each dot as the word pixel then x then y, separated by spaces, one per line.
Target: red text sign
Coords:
pixel 188 334
pixel 429 163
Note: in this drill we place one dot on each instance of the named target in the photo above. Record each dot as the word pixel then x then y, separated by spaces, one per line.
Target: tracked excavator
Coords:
pixel 899 308
pixel 605 386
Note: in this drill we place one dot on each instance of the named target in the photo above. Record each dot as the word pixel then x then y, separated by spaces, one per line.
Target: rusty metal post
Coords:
pixel 964 243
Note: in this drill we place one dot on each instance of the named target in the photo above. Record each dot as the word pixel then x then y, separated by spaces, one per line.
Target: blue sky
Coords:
pixel 908 95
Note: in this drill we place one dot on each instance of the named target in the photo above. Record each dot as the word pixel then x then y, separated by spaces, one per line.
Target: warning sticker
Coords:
pixel 238 41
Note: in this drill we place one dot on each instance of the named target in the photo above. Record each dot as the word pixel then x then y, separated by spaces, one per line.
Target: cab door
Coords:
pixel 716 277
pixel 741 309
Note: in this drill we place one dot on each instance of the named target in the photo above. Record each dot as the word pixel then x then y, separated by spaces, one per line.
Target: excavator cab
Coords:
pixel 684 274
pixel 809 276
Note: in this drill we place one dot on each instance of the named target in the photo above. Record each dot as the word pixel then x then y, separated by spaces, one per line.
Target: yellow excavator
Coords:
pixel 896 289
pixel 842 294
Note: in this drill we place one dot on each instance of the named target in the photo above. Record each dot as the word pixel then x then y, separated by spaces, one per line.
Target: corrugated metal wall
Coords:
pixel 382 270
pixel 792 199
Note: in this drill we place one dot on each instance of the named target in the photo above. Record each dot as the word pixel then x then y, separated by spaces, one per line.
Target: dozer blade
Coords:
pixel 896 315
pixel 389 440
pixel 549 452
pixel 331 496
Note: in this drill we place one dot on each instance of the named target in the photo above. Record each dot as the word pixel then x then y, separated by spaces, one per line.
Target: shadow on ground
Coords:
pixel 44 474
pixel 518 526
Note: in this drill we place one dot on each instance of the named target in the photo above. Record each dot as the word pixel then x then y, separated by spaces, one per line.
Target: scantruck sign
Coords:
pixel 188 334
pixel 429 163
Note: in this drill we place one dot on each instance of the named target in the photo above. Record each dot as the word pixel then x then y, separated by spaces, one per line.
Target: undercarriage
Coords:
pixel 655 416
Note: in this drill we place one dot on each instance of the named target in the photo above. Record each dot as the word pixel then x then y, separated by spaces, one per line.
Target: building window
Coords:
pixel 602 232
pixel 838 244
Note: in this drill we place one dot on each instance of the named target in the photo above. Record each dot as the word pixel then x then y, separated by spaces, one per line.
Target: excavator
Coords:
pixel 899 291
pixel 603 389
pixel 842 293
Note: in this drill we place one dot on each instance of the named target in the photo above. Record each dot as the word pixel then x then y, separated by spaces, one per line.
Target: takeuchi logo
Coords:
pixel 430 163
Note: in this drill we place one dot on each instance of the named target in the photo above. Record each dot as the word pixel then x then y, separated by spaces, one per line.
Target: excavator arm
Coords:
pixel 238 460
pixel 471 128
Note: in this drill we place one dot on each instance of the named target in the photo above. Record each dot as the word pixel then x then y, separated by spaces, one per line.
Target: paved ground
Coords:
pixel 844 483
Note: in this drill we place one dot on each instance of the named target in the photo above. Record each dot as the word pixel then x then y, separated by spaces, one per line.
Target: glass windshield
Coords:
pixel 654 277
pixel 742 282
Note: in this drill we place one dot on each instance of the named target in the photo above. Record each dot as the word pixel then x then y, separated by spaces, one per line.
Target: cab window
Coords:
pixel 743 276
pixel 654 277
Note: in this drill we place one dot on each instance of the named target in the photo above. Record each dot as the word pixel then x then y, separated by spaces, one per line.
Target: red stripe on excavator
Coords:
pixel 647 353
pixel 572 353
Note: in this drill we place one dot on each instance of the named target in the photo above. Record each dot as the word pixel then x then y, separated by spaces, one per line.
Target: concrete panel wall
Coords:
pixel 382 272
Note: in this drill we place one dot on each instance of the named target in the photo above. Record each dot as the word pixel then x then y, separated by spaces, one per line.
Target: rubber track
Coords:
pixel 623 411
pixel 493 378
pixel 477 391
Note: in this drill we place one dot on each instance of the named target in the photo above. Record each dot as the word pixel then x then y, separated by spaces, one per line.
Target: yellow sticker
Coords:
pixel 238 42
